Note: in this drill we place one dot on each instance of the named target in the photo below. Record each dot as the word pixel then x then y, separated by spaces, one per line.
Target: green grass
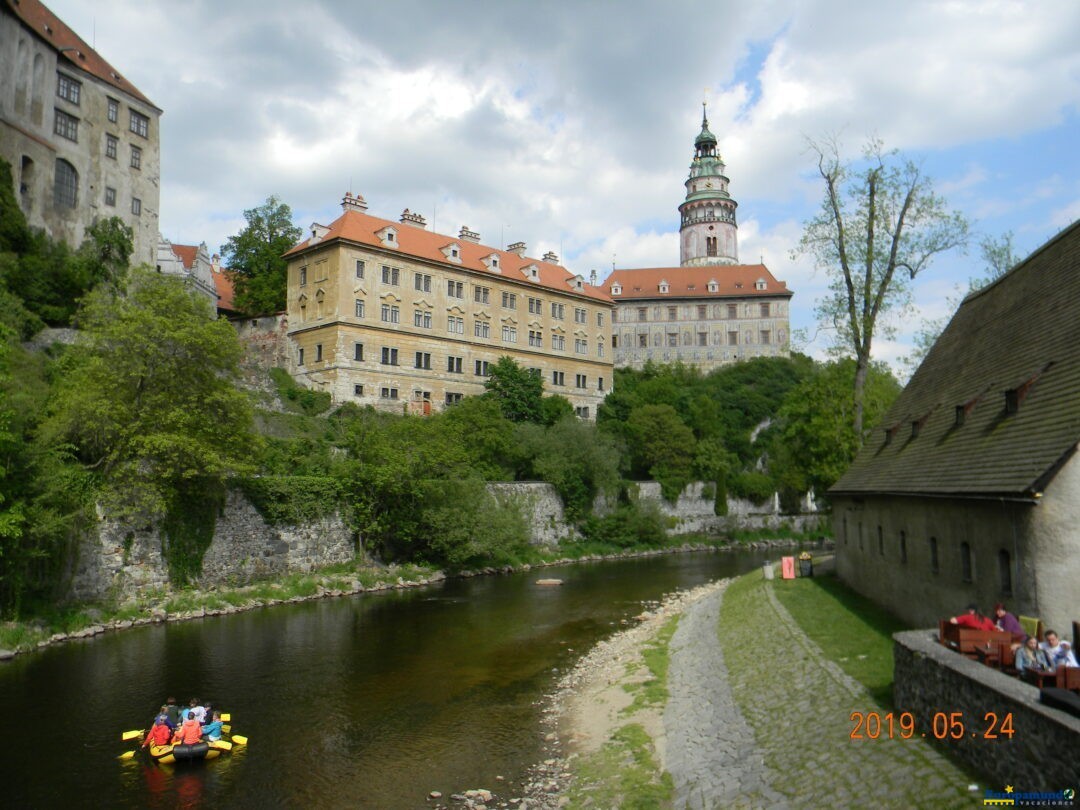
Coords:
pixel 849 629
pixel 653 691
pixel 624 773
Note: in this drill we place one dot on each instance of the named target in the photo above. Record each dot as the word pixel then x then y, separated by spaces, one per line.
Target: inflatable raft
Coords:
pixel 168 754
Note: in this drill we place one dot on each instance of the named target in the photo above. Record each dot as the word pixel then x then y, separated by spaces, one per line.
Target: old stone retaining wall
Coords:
pixel 694 511
pixel 541 507
pixel 1042 753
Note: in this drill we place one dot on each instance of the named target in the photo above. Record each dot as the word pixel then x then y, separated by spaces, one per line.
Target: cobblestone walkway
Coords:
pixel 798 705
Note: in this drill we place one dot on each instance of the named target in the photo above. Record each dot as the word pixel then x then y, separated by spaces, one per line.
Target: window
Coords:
pixel 903 547
pixel 580 315
pixel 558 378
pixel 600 347
pixel 643 341
pixel 509 334
pixel 558 342
pixel 358 390
pixel 766 335
pixel 672 338
pixel 702 338
pixel 481 295
pixel 114 110
pixel 558 311
pixel 536 338
pixel 642 313
pixel 140 124
pixel 389 356
pixel 1005 572
pixel 710 245
pixel 536 372
pixel 110 196
pixel 509 300
pixel 455 325
pixel 455 289
pixel 300 357
pixel 480 368
pixel 390 314
pixel 66 126
pixel 600 384
pixel 860 536
pixel 303 276
pixel 600 318
pixel 423 360
pixel 581 346
pixel 136 206
pixel 111 145
pixel 965 562
pixel 391 275
pixel 614 342
pixel 388 393
pixel 422 318
pixel 580 381
pixel 359 308
pixel 702 312
pixel 765 310
pixel 68 88
pixel 318 352
pixel 732 311
pixel 358 351
pixel 136 157
pixel 880 542
pixel 582 412
pixel 453 364
pixel 672 313
pixel 934 566
pixel 536 306
pixel 422 282
pixel 452 398
pixel 359 268
pixel 481 329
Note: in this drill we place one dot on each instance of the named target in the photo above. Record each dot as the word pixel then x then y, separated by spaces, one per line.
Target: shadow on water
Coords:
pixel 368 701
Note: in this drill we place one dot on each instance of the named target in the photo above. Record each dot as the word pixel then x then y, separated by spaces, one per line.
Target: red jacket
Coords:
pixel 159 735
pixel 975 622
pixel 189 733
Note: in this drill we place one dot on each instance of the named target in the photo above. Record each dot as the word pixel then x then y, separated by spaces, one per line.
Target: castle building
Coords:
pixel 392 315
pixel 81 139
pixel 193 263
pixel 710 310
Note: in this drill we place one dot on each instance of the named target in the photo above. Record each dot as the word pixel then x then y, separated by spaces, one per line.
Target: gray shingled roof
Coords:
pixel 1021 333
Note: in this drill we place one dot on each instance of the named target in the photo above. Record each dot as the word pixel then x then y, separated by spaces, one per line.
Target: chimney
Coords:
pixel 551 257
pixel 351 203
pixel 469 236
pixel 518 248
pixel 416 220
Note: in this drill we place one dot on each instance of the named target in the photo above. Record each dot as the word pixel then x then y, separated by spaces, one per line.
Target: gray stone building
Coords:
pixel 81 139
pixel 971 489
pixel 710 310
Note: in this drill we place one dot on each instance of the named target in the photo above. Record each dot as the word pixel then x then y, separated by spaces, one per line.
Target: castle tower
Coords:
pixel 709 233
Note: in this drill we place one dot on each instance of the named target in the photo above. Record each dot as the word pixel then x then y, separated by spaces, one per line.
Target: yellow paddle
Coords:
pixel 131 735
pixel 126 755
pixel 239 739
pixel 221 745
pixel 225 717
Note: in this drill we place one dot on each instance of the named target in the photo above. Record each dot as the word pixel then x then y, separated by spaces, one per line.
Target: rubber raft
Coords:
pixel 168 754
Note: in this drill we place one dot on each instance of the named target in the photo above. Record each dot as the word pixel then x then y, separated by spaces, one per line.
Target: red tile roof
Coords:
pixel 356 226
pixel 186 254
pixel 51 29
pixel 693 282
pixel 223 283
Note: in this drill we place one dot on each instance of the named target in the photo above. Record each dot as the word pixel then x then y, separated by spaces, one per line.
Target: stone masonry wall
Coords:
pixel 1041 754
pixel 541 507
pixel 694 512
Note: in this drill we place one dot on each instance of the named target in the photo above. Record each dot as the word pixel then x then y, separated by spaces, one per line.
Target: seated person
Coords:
pixel 1032 657
pixel 1008 622
pixel 163 715
pixel 159 734
pixel 189 733
pixel 973 619
pixel 174 712
pixel 197 710
pixel 212 730
pixel 1058 651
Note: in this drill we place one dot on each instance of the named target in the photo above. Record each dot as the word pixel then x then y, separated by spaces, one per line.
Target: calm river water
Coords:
pixel 366 701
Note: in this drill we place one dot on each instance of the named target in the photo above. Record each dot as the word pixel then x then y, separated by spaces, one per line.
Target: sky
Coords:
pixel 570 125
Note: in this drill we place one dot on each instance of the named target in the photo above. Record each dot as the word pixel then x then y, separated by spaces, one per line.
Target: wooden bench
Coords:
pixel 1068 678
pixel 965 640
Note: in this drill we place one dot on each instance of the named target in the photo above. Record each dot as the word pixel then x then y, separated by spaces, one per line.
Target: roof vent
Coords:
pixel 416 220
pixel 518 248
pixel 465 235
pixel 551 257
pixel 353 203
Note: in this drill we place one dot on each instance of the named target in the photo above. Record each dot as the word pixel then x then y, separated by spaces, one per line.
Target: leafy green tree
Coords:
pixel 880 225
pixel 147 398
pixel 663 445
pixel 518 391
pixel 554 408
pixel 488 437
pixel 256 257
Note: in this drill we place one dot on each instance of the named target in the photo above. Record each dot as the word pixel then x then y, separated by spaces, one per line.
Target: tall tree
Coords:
pixel 517 390
pixel 256 257
pixel 880 225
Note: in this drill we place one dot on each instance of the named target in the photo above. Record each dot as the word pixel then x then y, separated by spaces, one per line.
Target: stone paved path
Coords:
pixel 759 718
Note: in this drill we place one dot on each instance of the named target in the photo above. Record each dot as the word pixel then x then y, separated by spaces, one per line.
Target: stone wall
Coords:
pixel 541 507
pixel 694 511
pixel 1041 754
pixel 115 560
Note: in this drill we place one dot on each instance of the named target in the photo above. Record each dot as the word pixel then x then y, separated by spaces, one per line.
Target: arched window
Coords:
pixel 965 562
pixel 934 566
pixel 903 547
pixel 1005 572
pixel 880 541
pixel 22 75
pixel 37 91
pixel 66 187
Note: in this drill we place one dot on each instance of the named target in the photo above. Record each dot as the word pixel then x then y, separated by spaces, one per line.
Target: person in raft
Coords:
pixel 197 711
pixel 173 711
pixel 189 733
pixel 212 730
pixel 973 619
pixel 159 734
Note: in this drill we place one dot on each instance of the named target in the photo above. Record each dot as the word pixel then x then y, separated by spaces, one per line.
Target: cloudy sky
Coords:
pixel 570 126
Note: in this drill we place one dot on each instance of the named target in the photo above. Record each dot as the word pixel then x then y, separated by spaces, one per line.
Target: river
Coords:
pixel 368 701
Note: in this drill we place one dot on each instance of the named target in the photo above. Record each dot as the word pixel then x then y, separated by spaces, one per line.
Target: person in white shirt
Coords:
pixel 1058 651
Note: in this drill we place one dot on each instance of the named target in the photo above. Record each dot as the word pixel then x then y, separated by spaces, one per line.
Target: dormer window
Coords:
pixel 760 284
pixel 388 236
pixel 664 287
pixel 452 252
pixel 491 261
pixel 713 286
pixel 531 272
pixel 616 289
pixel 577 282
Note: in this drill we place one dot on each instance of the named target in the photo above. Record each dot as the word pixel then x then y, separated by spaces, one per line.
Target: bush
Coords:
pixel 753 486
pixel 629 526
pixel 287 500
pixel 297 398
pixel 466 525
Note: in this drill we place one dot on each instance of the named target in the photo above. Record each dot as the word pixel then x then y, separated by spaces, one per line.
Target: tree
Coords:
pixel 147 398
pixel 517 390
pixel 663 445
pixel 256 257
pixel 880 225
